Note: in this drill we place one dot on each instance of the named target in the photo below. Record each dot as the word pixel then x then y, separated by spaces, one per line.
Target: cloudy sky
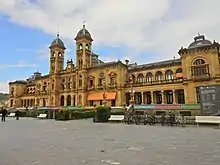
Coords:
pixel 140 30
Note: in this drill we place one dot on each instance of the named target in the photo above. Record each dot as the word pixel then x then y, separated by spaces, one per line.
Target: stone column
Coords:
pixel 53 114
pixel 174 97
pixel 142 98
pixel 152 97
pixel 163 94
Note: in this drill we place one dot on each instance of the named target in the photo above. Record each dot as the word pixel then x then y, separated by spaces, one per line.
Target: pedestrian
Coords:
pixel 4 113
pixel 17 114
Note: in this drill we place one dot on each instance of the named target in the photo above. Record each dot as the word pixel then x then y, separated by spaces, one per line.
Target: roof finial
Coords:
pixel 58 33
pixel 84 24
pixel 84 27
pixel 198 34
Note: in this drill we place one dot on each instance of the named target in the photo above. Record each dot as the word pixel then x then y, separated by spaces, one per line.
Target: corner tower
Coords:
pixel 83 48
pixel 57 51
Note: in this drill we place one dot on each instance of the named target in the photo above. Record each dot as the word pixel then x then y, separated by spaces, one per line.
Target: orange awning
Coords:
pixel 179 75
pixel 99 96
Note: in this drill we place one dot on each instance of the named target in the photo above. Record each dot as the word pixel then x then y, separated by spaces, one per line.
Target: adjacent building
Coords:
pixel 88 81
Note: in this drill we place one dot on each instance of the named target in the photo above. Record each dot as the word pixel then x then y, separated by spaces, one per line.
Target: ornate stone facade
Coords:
pixel 90 80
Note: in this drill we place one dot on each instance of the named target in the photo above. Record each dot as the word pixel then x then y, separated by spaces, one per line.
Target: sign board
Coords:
pixel 168 106
pixel 190 106
pixel 73 107
pixel 210 99
pixel 144 106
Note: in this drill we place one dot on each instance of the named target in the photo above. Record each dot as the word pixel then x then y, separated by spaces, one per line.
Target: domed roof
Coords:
pixel 57 42
pixel 83 33
pixel 199 41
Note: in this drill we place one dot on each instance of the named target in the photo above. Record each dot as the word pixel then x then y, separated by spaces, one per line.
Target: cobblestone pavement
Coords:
pixel 49 142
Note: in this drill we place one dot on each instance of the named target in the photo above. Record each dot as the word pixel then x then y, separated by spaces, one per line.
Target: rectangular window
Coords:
pixel 80 83
pixel 112 80
pixel 91 103
pixel 197 95
pixel 113 103
pixel 74 84
pixel 101 81
pixel 91 83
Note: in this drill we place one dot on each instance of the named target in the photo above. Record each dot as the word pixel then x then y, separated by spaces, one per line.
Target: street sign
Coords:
pixel 210 99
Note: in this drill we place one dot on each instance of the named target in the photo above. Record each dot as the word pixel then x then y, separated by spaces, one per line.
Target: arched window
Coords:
pixel 68 100
pixel 169 75
pixel 62 100
pixel 80 63
pixel 149 77
pixel 140 78
pixel 101 79
pixel 80 46
pixel 74 100
pixel 45 87
pixel 12 91
pixel 131 78
pixel 87 47
pixel 63 84
pixel 80 81
pixel 199 62
pixel 158 76
pixel 59 54
pixel 200 68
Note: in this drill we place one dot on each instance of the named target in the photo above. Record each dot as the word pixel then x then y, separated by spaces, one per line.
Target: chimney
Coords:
pixel 126 62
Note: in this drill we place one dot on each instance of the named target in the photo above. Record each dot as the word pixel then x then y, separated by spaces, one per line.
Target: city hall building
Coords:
pixel 89 80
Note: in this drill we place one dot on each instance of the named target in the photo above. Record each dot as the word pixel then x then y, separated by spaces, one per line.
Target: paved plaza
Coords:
pixel 81 142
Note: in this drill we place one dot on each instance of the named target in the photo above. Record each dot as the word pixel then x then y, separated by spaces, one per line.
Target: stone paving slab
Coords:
pixel 81 142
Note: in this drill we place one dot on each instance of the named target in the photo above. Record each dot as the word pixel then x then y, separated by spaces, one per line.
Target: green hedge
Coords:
pixel 82 114
pixel 102 114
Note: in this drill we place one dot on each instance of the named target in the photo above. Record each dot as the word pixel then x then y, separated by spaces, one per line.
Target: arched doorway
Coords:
pixel 68 101
pixel 62 100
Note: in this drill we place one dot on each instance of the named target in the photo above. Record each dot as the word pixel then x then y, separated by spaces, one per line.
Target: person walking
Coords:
pixel 17 114
pixel 4 113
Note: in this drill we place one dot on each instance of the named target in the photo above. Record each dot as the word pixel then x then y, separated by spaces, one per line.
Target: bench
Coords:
pixel 208 120
pixel 42 116
pixel 116 118
pixel 11 115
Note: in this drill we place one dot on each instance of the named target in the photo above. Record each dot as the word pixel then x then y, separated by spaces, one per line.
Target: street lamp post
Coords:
pixel 104 93
pixel 131 90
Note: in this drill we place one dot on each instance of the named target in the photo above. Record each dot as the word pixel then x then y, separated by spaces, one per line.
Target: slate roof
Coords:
pixel 155 64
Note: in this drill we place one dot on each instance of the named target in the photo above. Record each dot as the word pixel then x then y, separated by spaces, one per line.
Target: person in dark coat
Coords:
pixel 4 113
pixel 17 114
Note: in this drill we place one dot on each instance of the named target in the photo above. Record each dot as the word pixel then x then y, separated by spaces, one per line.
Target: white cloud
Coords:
pixel 4 87
pixel 19 64
pixel 161 26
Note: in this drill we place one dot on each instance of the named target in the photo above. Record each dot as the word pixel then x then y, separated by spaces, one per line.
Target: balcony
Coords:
pixel 43 93
pixel 202 77
pixel 91 88
pixel 160 82
pixel 100 86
